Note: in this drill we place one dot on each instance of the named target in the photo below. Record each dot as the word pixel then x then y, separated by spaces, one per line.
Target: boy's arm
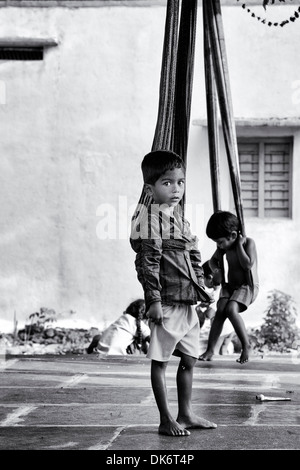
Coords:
pixel 195 258
pixel 217 266
pixel 147 265
pixel 215 260
pixel 246 252
pixel 195 255
pixel 155 313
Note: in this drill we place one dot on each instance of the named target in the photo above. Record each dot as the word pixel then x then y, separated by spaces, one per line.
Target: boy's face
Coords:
pixel 169 188
pixel 209 281
pixel 225 243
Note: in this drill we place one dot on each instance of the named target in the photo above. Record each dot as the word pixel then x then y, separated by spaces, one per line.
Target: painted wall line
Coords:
pixel 114 437
pixel 71 381
pixel 17 416
pixel 5 364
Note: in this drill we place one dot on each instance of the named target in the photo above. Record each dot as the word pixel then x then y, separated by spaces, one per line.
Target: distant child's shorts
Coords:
pixel 244 295
pixel 179 331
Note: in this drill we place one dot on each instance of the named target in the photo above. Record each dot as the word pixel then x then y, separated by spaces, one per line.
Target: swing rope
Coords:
pixel 175 92
pixel 217 67
pixel 212 115
pixel 175 95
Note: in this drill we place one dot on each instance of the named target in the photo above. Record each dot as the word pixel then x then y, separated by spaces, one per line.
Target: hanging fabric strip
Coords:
pixel 176 81
pixel 212 115
pixel 184 77
pixel 164 124
pixel 223 87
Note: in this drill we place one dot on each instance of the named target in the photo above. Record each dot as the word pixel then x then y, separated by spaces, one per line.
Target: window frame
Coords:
pixel 261 140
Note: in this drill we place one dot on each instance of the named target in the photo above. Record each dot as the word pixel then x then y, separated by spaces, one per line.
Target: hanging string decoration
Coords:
pixel 267 22
pixel 266 2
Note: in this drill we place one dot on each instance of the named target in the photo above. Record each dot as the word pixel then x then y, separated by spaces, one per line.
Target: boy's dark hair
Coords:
pixel 156 163
pixel 221 224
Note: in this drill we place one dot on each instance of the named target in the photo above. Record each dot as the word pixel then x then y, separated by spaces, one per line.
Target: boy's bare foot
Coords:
pixel 195 422
pixel 207 356
pixel 244 357
pixel 172 428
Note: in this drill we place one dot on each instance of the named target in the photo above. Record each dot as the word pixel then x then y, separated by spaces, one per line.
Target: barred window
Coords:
pixel 265 171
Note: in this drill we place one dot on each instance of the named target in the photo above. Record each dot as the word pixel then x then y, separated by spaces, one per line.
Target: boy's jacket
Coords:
pixel 168 262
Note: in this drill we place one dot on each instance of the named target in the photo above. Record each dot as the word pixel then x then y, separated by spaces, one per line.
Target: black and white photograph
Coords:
pixel 150 220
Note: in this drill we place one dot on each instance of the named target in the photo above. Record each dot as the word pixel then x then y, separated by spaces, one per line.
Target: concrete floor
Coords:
pixel 83 403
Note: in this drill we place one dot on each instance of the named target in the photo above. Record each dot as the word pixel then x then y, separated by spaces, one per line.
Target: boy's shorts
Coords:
pixel 179 331
pixel 244 295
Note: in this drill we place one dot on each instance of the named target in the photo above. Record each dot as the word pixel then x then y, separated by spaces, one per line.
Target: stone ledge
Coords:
pixel 28 42
pixel 80 3
pixel 257 122
pixel 110 3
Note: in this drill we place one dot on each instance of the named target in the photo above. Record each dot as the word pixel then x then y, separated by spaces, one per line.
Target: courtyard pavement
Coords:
pixel 75 402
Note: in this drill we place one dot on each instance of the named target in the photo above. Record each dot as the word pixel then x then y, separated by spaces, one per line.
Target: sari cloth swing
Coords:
pixel 175 96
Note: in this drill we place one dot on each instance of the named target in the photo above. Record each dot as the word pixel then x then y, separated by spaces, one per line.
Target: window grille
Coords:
pixel 265 171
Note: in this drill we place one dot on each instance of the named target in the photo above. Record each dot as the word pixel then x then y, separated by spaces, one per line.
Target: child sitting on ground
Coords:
pixel 129 334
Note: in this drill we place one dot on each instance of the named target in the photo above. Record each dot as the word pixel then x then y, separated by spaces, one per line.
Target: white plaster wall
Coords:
pixel 73 131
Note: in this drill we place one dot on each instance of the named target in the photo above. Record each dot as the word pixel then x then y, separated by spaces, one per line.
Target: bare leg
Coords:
pixel 233 311
pixel 219 345
pixel 186 417
pixel 215 331
pixel 168 425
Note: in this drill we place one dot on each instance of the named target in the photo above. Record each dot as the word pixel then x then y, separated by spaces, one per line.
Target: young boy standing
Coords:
pixel 168 267
pixel 241 287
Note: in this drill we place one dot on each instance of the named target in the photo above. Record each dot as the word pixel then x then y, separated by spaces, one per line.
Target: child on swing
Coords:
pixel 241 288
pixel 168 267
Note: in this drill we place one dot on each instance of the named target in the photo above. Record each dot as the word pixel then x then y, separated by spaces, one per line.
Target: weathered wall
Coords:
pixel 74 129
